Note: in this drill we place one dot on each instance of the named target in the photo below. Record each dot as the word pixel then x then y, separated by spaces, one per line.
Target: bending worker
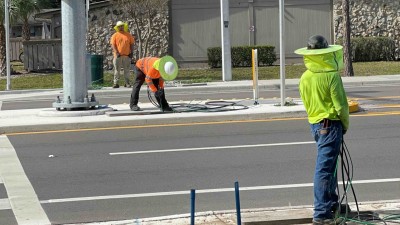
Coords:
pixel 154 71
pixel 122 44
pixel 324 98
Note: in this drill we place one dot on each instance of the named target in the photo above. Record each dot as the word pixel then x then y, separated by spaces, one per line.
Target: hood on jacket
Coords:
pixel 328 62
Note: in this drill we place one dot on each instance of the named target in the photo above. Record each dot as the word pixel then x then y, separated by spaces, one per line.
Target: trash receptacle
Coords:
pixel 97 69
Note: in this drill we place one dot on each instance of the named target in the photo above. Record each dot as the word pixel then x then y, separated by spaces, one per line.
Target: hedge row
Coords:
pixel 367 49
pixel 241 56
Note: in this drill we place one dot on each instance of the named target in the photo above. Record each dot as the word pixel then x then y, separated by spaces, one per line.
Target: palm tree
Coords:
pixel 2 41
pixel 25 8
pixel 348 65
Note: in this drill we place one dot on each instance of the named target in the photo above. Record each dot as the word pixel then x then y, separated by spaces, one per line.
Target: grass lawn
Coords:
pixel 54 80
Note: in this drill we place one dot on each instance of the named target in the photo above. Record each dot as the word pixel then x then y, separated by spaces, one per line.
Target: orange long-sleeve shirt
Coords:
pixel 146 66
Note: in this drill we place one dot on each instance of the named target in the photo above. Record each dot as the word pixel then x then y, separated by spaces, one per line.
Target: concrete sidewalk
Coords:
pixel 36 120
pixel 114 116
pixel 388 211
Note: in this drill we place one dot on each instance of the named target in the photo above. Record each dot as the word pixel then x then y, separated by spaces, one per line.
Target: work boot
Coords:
pixel 135 108
pixel 337 221
pixel 116 86
pixel 167 109
pixel 343 208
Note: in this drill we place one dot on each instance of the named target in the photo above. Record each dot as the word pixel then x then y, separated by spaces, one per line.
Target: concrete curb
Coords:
pixel 128 122
pixel 259 216
pixel 222 86
pixel 55 113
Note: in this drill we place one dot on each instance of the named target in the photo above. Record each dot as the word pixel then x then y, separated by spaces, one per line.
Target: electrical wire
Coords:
pixel 347 170
pixel 149 95
pixel 211 106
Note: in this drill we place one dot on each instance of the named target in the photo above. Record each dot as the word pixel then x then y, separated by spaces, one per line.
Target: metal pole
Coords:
pixel 88 54
pixel 7 28
pixel 282 48
pixel 192 205
pixel 255 75
pixel 238 215
pixel 87 16
pixel 251 23
pixel 226 43
pixel 75 74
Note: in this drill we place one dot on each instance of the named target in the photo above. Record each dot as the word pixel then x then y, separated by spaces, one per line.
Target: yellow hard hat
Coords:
pixel 120 23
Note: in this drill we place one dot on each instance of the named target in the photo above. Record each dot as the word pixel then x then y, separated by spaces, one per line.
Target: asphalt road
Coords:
pixel 208 158
pixel 370 94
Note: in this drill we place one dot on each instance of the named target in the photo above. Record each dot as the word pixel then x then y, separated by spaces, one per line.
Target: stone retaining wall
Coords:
pixel 370 18
pixel 102 21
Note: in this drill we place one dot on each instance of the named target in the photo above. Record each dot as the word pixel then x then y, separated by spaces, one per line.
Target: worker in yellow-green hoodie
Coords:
pixel 325 101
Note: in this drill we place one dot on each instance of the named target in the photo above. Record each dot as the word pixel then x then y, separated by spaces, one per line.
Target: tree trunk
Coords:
pixel 26 32
pixel 3 71
pixel 348 65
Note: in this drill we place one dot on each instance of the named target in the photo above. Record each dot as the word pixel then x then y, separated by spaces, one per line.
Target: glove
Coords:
pixel 130 55
pixel 159 93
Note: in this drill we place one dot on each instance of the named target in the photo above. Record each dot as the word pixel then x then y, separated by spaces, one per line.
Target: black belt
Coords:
pixel 326 123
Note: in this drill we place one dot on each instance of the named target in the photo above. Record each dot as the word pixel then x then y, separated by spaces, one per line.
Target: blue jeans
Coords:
pixel 325 180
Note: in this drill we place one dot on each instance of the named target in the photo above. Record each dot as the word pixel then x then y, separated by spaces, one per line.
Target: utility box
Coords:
pixel 97 71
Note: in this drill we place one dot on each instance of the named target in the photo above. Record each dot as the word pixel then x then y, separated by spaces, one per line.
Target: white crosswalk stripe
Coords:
pixel 21 195
pixel 4 204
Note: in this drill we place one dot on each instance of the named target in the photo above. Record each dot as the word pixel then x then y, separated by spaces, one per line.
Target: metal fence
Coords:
pixel 42 55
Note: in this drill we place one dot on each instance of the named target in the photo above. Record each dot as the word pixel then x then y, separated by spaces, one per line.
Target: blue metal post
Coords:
pixel 239 218
pixel 192 204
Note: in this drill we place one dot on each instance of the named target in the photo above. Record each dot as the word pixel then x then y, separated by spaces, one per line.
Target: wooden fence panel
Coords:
pixel 43 55
pixel 57 52
pixel 15 48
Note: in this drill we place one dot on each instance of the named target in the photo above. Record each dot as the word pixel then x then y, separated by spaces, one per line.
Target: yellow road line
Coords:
pixel 375 98
pixel 390 113
pixel 390 105
pixel 154 126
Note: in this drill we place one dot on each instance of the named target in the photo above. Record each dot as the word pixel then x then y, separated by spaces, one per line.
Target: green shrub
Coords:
pixel 214 57
pixel 242 56
pixel 266 55
pixel 369 49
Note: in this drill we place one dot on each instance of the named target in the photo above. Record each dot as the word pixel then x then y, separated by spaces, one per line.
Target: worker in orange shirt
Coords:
pixel 122 44
pixel 154 71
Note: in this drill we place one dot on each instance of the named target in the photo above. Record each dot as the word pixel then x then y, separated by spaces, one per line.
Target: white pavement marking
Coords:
pixel 4 204
pixel 205 191
pixel 23 199
pixel 1 104
pixel 1 181
pixel 213 148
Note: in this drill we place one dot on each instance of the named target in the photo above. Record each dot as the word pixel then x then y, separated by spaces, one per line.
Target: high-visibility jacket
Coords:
pixel 146 65
pixel 321 88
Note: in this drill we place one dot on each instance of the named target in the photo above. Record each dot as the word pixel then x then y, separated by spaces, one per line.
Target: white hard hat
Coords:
pixel 120 23
pixel 169 68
